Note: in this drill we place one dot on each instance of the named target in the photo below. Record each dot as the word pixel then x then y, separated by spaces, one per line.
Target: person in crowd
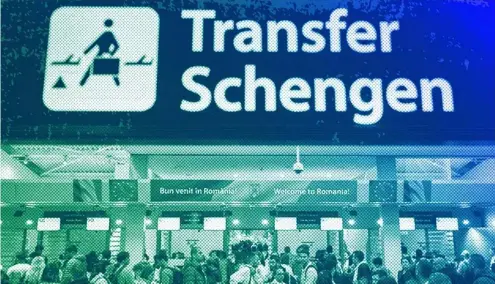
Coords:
pixel 143 272
pixel 422 272
pixel 347 264
pixel 70 254
pixel 98 272
pixel 326 274
pixel 105 255
pixel 418 256
pixel 329 249
pixel 320 257
pixel 429 255
pixel 309 274
pixel 91 261
pixel 279 276
pixel 231 266
pixel 377 265
pixel 38 251
pixel 212 269
pixel 463 268
pixel 261 271
pixel 194 272
pixel 404 250
pixel 222 264
pixel 492 261
pixel 440 265
pixel 264 253
pixel 4 279
pixel 123 274
pixel 387 280
pixel 363 274
pixel 245 274
pixel 358 260
pixel 378 274
pixel 287 258
pixel 407 272
pixel 17 272
pixel 439 278
pixel 273 265
pixel 165 272
pixel 33 276
pixel 77 270
pixel 480 271
pixel 146 258
pixel 51 273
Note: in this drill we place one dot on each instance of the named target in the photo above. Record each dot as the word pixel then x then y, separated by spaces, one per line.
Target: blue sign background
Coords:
pixel 451 40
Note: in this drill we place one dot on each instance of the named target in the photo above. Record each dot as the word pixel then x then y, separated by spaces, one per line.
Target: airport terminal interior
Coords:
pixel 390 203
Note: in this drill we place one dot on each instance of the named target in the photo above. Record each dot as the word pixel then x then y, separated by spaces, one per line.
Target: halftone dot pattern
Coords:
pixel 248 186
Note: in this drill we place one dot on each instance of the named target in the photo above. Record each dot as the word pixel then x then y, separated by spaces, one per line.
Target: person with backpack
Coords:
pixel 481 273
pixel 309 274
pixel 98 273
pixel 194 271
pixel 143 272
pixel 122 274
pixel 168 274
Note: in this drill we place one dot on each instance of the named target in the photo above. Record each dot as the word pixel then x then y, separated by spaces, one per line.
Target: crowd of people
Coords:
pixel 247 263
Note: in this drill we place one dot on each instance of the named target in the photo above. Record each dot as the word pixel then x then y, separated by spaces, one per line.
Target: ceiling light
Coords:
pixel 235 222
pixel 380 222
pixel 265 222
pixel 351 222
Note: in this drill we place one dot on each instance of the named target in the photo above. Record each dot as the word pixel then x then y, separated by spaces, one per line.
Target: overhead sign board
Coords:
pixel 253 191
pixel 344 74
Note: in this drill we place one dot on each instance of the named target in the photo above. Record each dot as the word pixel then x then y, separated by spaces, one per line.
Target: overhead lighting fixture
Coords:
pixel 465 222
pixel 265 222
pixel 351 222
pixel 7 172
pixel 380 222
pixel 148 221
pixel 235 222
pixel 29 222
pixel 118 222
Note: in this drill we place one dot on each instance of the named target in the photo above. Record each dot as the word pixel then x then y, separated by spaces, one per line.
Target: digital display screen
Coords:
pixel 215 224
pixel 407 224
pixel 98 224
pixel 48 224
pixel 447 224
pixel 169 224
pixel 285 223
pixel 331 224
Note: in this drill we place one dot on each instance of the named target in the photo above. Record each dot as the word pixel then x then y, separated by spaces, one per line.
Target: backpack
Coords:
pixel 324 277
pixel 177 276
pixel 114 275
pixel 311 265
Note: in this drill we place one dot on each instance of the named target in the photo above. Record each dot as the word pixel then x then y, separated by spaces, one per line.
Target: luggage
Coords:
pixel 106 66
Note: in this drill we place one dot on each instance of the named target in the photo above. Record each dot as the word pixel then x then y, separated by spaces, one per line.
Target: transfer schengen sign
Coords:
pixel 341 72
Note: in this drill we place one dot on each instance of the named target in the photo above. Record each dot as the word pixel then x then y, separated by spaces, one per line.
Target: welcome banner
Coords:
pixel 253 191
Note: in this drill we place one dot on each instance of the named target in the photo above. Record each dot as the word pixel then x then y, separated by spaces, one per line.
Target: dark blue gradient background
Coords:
pixel 436 39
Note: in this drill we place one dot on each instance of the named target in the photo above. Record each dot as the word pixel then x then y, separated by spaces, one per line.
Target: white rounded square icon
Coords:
pixel 102 59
